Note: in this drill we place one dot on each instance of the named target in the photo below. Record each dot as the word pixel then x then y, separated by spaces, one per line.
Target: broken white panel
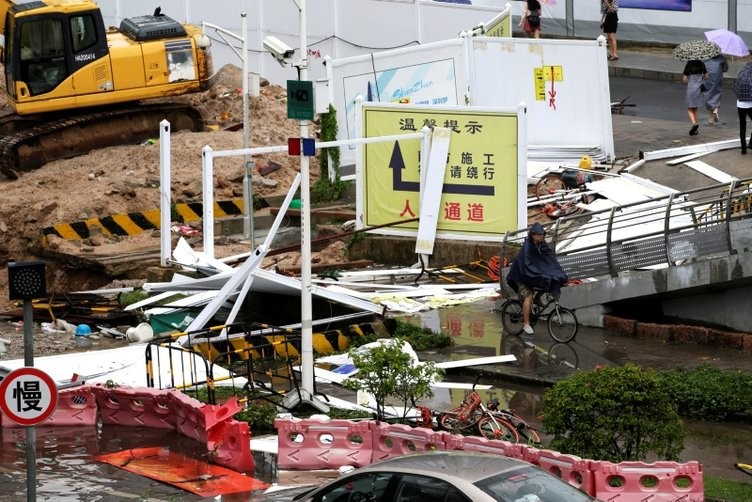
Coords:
pixel 185 255
pixel 710 171
pixel 430 198
pixel 686 150
pixel 686 158
pixel 463 363
pixel 623 191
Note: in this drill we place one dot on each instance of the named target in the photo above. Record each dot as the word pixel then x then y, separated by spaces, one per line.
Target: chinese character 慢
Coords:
pixel 27 394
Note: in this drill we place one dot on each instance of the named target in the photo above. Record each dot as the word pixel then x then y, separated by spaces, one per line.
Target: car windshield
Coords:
pixel 530 484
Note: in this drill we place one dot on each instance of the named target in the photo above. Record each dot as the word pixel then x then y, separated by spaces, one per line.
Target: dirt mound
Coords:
pixel 125 179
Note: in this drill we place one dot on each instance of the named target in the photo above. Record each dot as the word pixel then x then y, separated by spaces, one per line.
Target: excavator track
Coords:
pixel 62 138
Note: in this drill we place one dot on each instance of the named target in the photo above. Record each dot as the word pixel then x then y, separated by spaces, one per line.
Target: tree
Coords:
pixel 614 414
pixel 386 370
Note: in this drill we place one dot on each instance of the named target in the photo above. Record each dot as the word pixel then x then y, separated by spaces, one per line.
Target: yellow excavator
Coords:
pixel 75 85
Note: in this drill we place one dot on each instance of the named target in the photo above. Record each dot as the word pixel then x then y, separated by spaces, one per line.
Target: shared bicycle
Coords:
pixel 491 422
pixel 562 322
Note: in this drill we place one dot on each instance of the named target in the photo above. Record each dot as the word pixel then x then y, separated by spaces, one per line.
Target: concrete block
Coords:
pixel 654 330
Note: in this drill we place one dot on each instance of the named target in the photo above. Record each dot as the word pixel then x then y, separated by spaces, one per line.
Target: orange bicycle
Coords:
pixel 472 413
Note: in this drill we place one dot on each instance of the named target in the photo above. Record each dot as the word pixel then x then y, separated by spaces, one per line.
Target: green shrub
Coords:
pixel 325 189
pixel 614 414
pixel 387 371
pixel 422 338
pixel 708 393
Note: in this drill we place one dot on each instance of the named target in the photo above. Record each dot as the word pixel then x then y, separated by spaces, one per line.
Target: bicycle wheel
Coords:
pixel 498 428
pixel 451 421
pixel 549 185
pixel 529 436
pixel 562 354
pixel 562 325
pixel 511 317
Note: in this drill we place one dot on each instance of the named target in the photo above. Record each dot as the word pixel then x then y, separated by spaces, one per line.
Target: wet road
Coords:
pixel 67 470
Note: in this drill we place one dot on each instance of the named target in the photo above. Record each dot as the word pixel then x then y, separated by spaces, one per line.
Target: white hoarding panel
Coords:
pixel 564 84
pixel 431 74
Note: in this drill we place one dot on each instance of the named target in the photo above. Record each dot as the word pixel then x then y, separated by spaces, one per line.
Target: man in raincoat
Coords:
pixel 535 269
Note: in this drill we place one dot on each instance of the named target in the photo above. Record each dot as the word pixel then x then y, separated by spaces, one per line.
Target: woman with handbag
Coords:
pixel 530 19
pixel 694 75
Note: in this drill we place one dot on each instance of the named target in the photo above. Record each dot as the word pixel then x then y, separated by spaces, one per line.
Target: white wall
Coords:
pixel 497 73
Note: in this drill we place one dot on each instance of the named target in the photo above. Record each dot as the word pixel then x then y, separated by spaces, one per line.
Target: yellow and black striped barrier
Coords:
pixel 135 223
pixel 285 343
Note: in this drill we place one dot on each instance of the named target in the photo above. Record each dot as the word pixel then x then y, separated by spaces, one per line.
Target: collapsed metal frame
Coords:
pixel 664 231
pixel 264 357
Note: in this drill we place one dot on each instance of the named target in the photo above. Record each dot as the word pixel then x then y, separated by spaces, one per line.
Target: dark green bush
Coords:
pixel 708 393
pixel 614 414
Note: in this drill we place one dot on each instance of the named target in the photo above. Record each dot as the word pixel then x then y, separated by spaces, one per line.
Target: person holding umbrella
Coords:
pixel 743 89
pixel 716 67
pixel 695 74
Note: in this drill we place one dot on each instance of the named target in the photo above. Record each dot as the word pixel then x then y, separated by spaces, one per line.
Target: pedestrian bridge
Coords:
pixel 686 255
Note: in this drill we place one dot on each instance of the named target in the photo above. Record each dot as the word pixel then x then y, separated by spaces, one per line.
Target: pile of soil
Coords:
pixel 125 179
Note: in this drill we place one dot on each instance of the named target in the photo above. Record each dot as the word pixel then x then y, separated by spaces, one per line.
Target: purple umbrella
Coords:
pixel 731 44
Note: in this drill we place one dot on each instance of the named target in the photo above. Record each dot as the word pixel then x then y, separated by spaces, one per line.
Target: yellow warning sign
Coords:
pixel 546 75
pixel 479 193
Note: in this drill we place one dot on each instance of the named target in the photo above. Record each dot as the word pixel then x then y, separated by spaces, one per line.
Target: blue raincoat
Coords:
pixel 536 266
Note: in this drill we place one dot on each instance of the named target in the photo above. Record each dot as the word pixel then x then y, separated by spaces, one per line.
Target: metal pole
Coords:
pixel 247 165
pixel 31 437
pixel 305 229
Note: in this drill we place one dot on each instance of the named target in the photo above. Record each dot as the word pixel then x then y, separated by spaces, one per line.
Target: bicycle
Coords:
pixel 472 413
pixel 526 433
pixel 562 322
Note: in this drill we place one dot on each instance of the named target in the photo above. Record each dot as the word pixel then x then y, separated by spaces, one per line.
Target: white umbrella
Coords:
pixel 730 43
pixel 696 49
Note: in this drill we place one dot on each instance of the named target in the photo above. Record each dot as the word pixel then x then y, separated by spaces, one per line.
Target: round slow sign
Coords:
pixel 28 396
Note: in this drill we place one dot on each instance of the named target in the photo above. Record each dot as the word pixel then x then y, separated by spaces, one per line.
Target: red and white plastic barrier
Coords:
pixel 399 439
pixel 571 468
pixel 323 444
pixel 75 406
pixel 483 445
pixel 622 482
pixel 638 481
pixel 134 407
pixel 230 441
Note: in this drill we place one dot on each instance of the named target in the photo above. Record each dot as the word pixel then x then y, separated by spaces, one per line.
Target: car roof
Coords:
pixel 470 466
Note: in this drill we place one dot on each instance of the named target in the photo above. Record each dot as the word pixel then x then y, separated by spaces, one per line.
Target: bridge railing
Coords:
pixel 664 231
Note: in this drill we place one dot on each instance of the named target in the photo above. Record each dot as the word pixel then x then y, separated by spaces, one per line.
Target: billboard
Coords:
pixel 485 170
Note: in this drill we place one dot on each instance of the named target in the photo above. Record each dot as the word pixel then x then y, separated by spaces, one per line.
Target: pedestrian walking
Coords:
pixel 609 23
pixel 530 19
pixel 694 75
pixel 715 67
pixel 743 89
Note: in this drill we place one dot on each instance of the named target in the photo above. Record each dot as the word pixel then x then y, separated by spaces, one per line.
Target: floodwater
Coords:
pixel 66 469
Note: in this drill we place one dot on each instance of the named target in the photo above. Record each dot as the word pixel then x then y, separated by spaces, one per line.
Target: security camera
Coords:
pixel 280 50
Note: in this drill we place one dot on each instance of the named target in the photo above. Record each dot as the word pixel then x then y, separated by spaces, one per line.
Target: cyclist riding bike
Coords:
pixel 535 270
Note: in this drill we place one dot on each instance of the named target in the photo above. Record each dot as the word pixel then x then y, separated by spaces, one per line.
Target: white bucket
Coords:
pixel 140 333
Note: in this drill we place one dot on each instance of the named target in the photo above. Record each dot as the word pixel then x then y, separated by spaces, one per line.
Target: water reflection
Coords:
pixel 67 471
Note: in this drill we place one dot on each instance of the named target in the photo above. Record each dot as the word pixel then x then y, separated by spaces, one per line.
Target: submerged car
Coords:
pixel 446 476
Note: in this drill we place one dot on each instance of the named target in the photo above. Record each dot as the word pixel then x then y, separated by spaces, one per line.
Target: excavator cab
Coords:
pixel 45 49
pixel 58 56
